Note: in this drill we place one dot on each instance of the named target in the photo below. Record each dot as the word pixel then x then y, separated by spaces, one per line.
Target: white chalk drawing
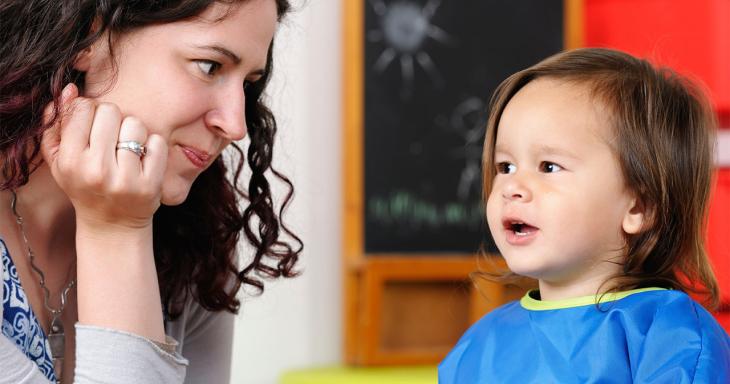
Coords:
pixel 468 121
pixel 411 212
pixel 404 27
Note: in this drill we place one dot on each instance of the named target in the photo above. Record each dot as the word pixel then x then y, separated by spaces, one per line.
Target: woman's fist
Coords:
pixel 106 185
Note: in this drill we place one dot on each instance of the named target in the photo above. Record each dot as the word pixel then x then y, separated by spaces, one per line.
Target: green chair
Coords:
pixel 362 375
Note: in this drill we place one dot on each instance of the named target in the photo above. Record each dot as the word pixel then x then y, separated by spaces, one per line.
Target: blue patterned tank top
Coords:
pixel 20 324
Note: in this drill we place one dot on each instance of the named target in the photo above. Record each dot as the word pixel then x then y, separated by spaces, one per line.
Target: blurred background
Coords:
pixel 381 106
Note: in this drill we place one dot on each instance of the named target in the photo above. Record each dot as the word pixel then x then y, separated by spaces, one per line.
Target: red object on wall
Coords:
pixel 693 38
pixel 718 233
pixel 690 36
pixel 718 241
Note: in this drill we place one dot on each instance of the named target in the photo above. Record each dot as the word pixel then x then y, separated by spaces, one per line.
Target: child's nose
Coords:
pixel 516 189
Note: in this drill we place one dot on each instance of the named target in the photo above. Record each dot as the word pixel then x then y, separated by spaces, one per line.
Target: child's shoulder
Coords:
pixel 669 305
pixel 680 333
pixel 676 308
pixel 645 334
pixel 660 297
pixel 503 315
pixel 642 315
pixel 505 318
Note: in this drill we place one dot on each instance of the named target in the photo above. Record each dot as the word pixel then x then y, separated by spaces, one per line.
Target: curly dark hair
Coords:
pixel 194 242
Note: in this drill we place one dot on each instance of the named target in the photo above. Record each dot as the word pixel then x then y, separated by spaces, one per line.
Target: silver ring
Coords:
pixel 133 146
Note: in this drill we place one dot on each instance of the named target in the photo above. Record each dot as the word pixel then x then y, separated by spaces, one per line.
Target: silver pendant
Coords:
pixel 57 340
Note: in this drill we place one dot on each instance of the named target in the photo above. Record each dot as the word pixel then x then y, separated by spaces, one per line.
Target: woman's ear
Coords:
pixel 637 217
pixel 83 59
pixel 82 63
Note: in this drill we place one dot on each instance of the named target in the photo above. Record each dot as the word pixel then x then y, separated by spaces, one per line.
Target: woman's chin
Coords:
pixel 174 196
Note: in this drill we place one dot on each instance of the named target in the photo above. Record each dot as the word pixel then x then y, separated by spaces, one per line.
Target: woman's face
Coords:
pixel 185 81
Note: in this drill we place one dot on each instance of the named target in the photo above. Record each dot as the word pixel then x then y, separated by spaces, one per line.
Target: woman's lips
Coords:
pixel 197 157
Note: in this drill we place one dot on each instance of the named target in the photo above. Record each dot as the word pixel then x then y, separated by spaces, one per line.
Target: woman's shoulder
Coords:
pixel 196 322
pixel 205 338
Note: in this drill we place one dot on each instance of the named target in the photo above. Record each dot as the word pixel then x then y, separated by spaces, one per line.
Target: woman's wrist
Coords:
pixel 117 279
pixel 109 230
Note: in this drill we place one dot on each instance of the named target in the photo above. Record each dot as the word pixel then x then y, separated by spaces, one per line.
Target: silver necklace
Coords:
pixel 56 335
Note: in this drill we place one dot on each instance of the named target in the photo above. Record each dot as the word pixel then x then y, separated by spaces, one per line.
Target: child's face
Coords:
pixel 558 208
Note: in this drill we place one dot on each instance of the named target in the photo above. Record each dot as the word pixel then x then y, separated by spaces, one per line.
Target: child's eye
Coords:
pixel 208 67
pixel 506 168
pixel 549 167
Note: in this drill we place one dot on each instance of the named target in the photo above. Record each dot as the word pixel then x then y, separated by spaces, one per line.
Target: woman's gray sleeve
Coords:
pixel 110 356
pixel 102 356
pixel 15 367
pixel 208 345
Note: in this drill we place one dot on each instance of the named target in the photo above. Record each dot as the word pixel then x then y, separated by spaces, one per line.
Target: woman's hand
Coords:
pixel 107 186
pixel 115 193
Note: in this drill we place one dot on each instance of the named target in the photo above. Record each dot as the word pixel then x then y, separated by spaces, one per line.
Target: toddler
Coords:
pixel 597 172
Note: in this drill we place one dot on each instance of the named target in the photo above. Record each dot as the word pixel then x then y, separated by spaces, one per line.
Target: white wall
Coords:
pixel 297 323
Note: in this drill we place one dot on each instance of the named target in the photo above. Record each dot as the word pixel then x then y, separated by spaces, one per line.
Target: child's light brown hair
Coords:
pixel 665 135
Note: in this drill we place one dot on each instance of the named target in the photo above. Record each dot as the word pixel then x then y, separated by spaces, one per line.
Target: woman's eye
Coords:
pixel 506 168
pixel 208 67
pixel 549 167
pixel 253 81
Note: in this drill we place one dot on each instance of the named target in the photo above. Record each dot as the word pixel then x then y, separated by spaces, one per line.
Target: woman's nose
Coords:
pixel 228 114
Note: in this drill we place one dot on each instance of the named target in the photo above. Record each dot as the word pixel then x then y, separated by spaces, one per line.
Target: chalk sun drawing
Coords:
pixel 404 27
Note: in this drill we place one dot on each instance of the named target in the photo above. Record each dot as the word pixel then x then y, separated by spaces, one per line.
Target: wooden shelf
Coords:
pixel 412 310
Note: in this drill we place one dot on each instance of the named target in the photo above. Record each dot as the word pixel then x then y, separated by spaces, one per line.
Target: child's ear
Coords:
pixel 636 217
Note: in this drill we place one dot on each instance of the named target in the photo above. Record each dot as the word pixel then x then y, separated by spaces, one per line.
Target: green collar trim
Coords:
pixel 530 303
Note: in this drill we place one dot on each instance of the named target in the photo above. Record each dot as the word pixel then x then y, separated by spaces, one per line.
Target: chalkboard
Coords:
pixel 430 67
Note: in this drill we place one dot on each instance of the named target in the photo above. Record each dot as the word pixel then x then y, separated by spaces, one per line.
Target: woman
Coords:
pixel 113 194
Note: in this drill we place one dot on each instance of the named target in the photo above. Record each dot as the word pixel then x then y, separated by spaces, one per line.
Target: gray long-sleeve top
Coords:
pixel 109 356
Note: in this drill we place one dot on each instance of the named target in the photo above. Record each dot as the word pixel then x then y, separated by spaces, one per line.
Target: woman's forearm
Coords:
pixel 117 280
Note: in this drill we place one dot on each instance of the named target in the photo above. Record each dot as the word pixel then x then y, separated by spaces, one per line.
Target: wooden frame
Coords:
pixel 353 241
pixel 374 277
pixel 365 278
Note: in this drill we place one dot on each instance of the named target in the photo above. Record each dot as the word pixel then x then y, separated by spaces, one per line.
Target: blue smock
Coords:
pixel 648 335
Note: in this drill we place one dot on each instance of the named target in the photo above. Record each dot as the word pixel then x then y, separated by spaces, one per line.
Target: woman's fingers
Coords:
pixel 154 162
pixel 129 163
pixel 52 136
pixel 94 155
pixel 104 133
pixel 76 119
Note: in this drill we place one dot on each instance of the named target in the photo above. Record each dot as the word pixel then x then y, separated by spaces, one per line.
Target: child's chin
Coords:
pixel 522 268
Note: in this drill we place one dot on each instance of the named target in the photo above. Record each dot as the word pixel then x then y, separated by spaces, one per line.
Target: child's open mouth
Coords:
pixel 519 232
pixel 522 229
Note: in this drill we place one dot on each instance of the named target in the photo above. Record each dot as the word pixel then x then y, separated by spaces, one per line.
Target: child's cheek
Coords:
pixel 493 212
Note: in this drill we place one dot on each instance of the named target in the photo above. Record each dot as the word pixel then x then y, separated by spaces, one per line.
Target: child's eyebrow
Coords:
pixel 498 149
pixel 551 150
